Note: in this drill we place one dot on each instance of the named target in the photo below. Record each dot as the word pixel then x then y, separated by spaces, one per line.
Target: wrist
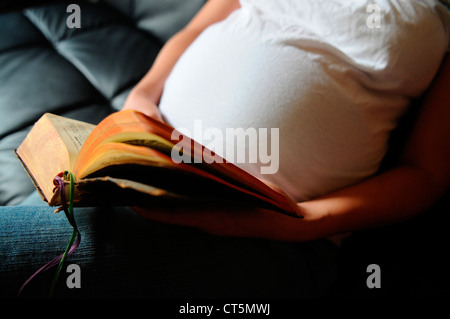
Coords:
pixel 147 93
pixel 321 218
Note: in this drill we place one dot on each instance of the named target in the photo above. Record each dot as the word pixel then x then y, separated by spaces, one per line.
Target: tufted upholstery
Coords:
pixel 83 73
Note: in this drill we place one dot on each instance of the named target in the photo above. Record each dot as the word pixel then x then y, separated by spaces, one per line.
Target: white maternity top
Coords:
pixel 333 76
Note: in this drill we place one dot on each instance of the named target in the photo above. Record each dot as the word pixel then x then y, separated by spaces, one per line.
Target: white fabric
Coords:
pixel 320 71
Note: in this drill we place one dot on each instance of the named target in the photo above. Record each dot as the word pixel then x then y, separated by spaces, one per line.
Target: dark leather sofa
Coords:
pixel 86 73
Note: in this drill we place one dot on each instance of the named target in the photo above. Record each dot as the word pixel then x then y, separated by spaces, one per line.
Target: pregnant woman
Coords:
pixel 334 77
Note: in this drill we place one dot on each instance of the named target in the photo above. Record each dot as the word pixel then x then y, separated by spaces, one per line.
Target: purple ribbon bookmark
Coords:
pixel 76 236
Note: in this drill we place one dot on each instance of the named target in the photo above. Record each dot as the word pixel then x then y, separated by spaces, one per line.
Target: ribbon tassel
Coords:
pixel 75 239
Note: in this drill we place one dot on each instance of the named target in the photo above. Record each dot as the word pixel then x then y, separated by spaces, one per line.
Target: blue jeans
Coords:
pixel 123 255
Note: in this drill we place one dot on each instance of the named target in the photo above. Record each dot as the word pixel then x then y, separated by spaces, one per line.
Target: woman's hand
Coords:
pixel 236 221
pixel 137 100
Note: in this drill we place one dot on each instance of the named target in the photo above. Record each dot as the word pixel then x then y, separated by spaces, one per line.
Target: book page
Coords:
pixel 111 154
pixel 73 133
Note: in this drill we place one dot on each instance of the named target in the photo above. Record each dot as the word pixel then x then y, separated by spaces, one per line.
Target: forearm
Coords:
pixel 151 86
pixel 391 197
pixel 422 176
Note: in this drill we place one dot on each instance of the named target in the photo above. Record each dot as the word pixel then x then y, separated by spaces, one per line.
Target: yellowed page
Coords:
pixel 73 133
pixel 116 153
pixel 50 148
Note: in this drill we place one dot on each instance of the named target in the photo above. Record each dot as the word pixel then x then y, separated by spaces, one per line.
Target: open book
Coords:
pixel 127 159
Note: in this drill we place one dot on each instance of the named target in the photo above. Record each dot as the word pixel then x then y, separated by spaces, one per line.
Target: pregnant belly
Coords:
pixel 291 113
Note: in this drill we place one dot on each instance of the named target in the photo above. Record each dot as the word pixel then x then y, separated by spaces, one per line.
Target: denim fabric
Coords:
pixel 123 255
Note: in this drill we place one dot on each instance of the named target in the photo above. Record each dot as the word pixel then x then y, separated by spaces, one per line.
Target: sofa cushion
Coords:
pixel 107 50
pixel 34 80
pixel 45 66
pixel 160 18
